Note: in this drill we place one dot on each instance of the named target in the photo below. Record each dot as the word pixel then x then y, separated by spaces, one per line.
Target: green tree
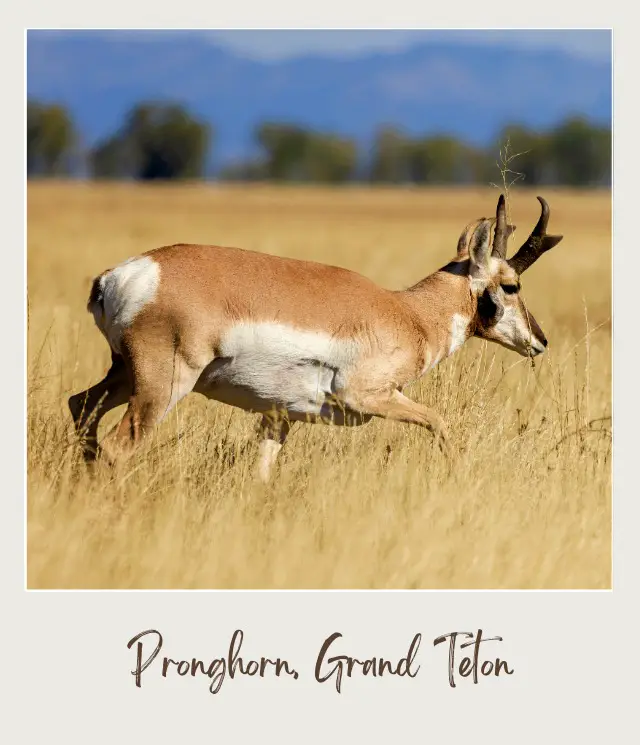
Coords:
pixel 481 166
pixel 581 153
pixel 34 125
pixel 249 170
pixel 158 141
pixel 109 160
pixel 285 147
pixel 531 155
pixel 292 153
pixel 390 159
pixel 439 160
pixel 51 138
pixel 330 159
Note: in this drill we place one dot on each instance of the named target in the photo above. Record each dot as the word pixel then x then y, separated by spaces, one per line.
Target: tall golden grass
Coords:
pixel 527 505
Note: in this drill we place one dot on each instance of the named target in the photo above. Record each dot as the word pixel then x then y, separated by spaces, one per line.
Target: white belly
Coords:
pixel 264 366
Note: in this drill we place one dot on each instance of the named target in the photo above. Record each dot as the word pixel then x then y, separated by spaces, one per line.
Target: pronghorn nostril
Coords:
pixel 544 342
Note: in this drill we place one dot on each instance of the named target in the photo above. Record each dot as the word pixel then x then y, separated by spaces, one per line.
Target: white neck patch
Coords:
pixel 459 332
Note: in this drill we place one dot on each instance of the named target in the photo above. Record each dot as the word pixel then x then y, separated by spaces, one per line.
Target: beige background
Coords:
pixel 65 662
pixel 565 648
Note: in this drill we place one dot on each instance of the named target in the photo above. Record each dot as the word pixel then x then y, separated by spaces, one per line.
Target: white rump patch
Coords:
pixel 459 332
pixel 126 290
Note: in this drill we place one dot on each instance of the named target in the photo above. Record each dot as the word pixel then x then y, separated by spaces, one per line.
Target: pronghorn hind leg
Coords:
pixel 159 381
pixel 88 407
pixel 272 432
pixel 395 405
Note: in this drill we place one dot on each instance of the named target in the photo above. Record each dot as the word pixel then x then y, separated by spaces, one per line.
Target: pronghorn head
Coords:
pixel 501 314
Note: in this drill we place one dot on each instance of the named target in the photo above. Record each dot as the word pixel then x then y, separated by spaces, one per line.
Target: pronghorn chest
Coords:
pixel 458 332
pixel 446 343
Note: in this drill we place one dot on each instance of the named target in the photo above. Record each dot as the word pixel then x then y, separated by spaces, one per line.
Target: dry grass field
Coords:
pixel 528 504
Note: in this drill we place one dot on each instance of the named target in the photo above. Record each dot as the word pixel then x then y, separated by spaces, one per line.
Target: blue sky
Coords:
pixel 465 83
pixel 588 44
pixel 264 45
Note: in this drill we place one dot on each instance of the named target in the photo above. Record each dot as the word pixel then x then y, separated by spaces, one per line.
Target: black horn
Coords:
pixel 536 244
pixel 503 231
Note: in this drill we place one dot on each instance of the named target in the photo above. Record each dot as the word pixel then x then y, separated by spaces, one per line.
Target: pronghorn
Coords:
pixel 295 340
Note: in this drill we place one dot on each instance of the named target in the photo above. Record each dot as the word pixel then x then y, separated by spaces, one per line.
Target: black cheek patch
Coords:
pixel 489 312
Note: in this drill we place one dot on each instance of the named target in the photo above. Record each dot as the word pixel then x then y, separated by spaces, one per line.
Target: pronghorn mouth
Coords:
pixel 535 348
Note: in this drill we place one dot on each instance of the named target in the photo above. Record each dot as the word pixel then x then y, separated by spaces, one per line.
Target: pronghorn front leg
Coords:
pixel 394 405
pixel 272 432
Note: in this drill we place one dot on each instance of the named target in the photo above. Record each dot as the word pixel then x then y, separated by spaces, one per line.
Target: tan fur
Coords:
pixel 384 339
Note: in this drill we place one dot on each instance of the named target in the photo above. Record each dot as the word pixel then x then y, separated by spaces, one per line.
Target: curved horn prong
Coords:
pixel 543 221
pixel 536 244
pixel 503 231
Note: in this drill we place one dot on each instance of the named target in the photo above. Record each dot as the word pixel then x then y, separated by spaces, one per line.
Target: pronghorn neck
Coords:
pixel 445 308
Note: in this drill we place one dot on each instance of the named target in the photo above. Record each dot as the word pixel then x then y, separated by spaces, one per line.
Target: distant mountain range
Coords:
pixel 467 91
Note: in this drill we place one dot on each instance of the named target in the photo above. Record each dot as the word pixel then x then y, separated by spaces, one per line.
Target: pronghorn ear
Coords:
pixel 480 245
pixel 463 241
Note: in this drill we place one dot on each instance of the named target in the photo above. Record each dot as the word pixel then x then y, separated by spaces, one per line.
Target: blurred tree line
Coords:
pixel 165 141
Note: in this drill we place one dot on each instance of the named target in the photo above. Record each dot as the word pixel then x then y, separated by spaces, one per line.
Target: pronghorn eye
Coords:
pixel 510 289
